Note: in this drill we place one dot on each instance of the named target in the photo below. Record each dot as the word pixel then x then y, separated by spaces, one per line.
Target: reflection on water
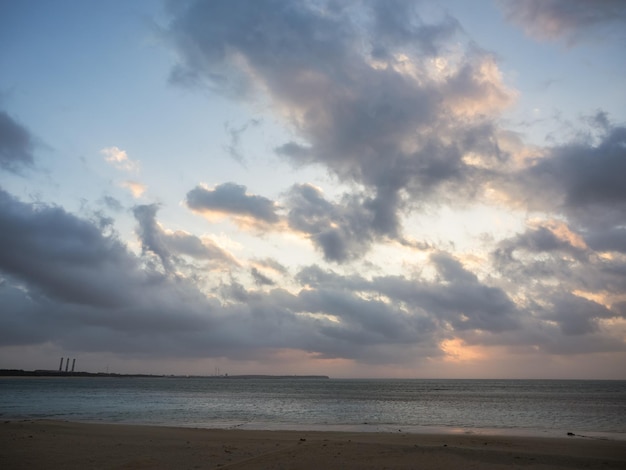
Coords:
pixel 384 405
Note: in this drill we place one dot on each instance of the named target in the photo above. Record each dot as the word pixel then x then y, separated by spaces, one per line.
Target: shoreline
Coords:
pixel 63 444
pixel 408 429
pixel 43 373
pixel 363 428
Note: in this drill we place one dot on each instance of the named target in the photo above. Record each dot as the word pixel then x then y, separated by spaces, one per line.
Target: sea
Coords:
pixel 595 409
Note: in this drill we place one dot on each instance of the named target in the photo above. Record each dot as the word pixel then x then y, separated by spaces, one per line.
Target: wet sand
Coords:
pixel 66 445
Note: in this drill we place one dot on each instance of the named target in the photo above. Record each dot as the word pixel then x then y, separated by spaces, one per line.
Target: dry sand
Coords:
pixel 65 445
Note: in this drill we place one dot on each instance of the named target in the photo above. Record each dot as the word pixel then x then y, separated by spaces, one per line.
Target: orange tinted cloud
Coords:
pixel 137 189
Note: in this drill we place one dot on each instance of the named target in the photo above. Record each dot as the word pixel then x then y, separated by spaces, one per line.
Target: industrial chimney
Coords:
pixel 67 364
pixel 73 364
pixel 61 364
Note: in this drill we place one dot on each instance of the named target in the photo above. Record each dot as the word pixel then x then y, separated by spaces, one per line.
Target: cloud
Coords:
pixel 232 199
pixel 341 231
pixel 546 237
pixel 150 234
pixel 590 173
pixel 565 19
pixel 112 203
pixel 582 180
pixel 576 315
pixel 397 23
pixel 271 265
pixel 261 279
pixel 557 268
pixel 65 283
pixel 168 246
pixel 119 159
pixel 610 239
pixel 64 257
pixel 137 189
pixel 199 248
pixel 233 148
pixel 406 114
pixel 381 102
pixel 458 300
pixel 557 276
pixel 16 144
pixel 74 275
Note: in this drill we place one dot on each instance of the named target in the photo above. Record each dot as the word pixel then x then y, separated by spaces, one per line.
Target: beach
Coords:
pixel 70 445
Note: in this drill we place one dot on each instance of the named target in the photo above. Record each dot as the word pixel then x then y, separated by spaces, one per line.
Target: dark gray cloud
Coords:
pixel 568 19
pixel 458 304
pixel 464 301
pixel 340 231
pixel 272 265
pixel 168 246
pixel 64 277
pixel 186 244
pixel 589 174
pixel 369 111
pixel 397 23
pixel 547 267
pixel 65 283
pixel 68 284
pixel 358 88
pixel 39 242
pixel 457 299
pixel 583 181
pixel 536 254
pixel 261 279
pixel 231 198
pixel 16 144
pixel 539 240
pixel 363 323
pixel 151 235
pixel 356 84
pixel 565 285
pixel 576 315
pixel 611 239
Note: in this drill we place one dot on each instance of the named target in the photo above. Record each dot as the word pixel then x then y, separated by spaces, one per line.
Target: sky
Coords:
pixel 354 188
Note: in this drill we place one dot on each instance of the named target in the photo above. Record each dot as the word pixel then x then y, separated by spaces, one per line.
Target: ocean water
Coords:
pixel 530 407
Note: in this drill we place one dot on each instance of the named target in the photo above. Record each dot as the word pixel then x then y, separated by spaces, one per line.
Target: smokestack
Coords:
pixel 73 364
pixel 67 364
pixel 61 364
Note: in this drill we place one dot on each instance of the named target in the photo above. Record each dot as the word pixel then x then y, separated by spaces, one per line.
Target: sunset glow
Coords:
pixel 373 188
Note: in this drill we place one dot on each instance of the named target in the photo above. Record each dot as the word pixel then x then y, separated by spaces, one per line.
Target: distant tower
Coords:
pixel 73 364
pixel 67 364
pixel 61 364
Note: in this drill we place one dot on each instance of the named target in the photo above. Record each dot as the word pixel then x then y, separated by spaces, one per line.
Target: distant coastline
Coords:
pixel 57 373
